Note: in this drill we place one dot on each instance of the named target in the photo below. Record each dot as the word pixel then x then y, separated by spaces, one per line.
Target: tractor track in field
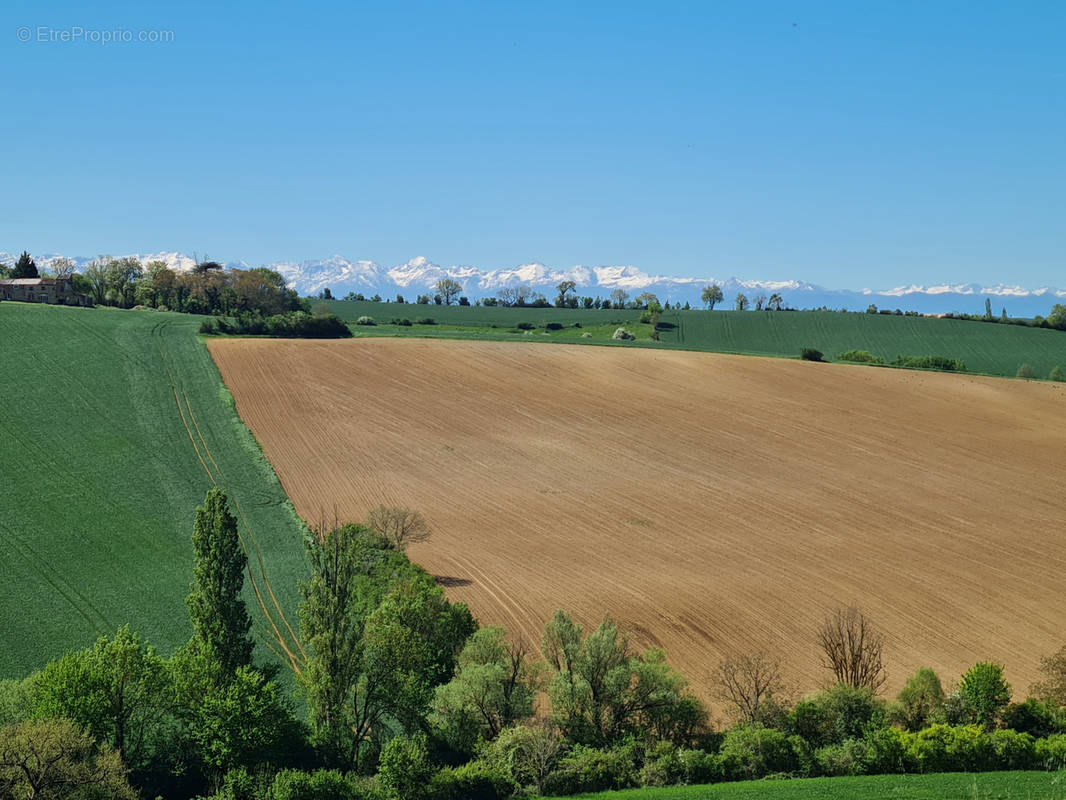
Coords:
pixel 711 503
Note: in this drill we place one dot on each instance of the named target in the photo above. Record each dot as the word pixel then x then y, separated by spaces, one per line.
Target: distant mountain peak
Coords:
pixel 420 275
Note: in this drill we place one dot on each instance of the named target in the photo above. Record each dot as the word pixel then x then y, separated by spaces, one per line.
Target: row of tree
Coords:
pixel 406 697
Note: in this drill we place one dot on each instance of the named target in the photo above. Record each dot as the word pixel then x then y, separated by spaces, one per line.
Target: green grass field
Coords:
pixel 946 786
pixel 986 348
pixel 100 479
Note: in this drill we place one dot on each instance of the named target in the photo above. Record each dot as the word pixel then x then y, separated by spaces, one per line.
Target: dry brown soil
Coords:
pixel 709 503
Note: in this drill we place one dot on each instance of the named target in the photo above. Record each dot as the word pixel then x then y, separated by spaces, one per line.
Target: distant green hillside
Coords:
pixel 992 349
pixel 942 786
pixel 100 478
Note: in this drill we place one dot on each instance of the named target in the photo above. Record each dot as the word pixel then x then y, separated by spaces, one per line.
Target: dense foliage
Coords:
pixel 407 699
pixel 291 325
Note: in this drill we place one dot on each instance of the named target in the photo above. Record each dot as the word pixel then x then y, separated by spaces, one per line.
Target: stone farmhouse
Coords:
pixel 55 291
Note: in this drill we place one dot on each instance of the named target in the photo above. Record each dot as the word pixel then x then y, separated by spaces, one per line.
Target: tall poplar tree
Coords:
pixel 219 617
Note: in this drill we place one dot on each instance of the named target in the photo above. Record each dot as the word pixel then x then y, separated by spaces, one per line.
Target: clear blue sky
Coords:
pixel 848 144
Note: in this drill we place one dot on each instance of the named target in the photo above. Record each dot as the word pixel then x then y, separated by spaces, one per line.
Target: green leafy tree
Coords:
pixel 711 295
pixel 741 303
pixel 619 298
pixel 54 759
pixel 16 700
pixel 219 617
pixel 410 646
pixel 1056 318
pixel 118 690
pixel 775 302
pixel 242 723
pixel 25 267
pixel 919 701
pixel 405 768
pixel 380 637
pixel 564 300
pixel 448 289
pixel 602 692
pixel 494 686
pixel 96 273
pixel 984 693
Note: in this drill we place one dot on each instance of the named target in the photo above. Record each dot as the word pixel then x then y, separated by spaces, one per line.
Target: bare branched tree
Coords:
pixel 400 526
pixel 852 649
pixel 749 682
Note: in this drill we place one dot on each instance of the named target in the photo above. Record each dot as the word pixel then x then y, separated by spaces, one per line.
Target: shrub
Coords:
pixel 404 322
pixel 364 320
pixel 425 321
pixel 321 784
pixel 752 751
pixel 1034 717
pixel 1056 374
pixel 587 769
pixel 860 357
pixel 1024 371
pixel 942 748
pixel 663 766
pixel 886 752
pixel 836 715
pixel 525 326
pixel 700 766
pixel 554 326
pixel 623 335
pixel 931 362
pixel 919 700
pixel 645 318
pixel 846 758
pixel 405 769
pixel 475 780
pixel 811 354
pixel 1051 752
pixel 1013 750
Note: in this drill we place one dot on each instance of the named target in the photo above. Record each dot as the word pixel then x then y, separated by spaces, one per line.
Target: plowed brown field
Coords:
pixel 710 503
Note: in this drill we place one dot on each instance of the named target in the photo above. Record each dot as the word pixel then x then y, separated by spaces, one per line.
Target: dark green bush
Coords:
pixel 425 321
pixel 587 769
pixel 860 357
pixel 1013 750
pixel 1035 718
pixel 554 326
pixel 886 752
pixel 291 325
pixel 322 784
pixel 1051 752
pixel 1025 371
pixel 365 320
pixel 931 362
pixel 752 751
pixel 846 758
pixel 811 354
pixel 525 326
pixel 473 781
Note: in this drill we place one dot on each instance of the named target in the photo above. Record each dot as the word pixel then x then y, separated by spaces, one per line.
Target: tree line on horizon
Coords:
pixel 408 698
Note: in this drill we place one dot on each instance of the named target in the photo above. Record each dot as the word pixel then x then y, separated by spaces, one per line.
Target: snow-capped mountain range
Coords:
pixel 419 276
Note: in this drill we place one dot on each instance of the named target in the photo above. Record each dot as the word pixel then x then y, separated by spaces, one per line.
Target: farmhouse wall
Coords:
pixel 54 291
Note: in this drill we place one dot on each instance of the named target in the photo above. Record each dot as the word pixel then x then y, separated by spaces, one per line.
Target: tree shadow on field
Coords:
pixel 449 582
